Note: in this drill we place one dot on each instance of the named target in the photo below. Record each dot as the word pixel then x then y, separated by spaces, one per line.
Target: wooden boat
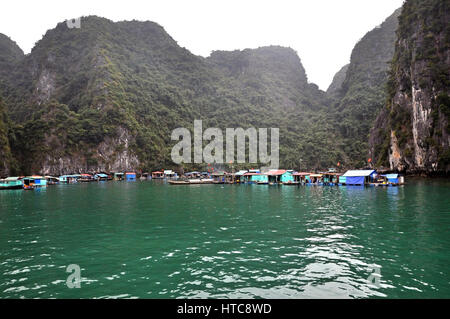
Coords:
pixel 11 183
pixel 192 182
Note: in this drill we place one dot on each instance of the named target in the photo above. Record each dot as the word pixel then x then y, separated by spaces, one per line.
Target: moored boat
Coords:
pixel 11 183
pixel 192 182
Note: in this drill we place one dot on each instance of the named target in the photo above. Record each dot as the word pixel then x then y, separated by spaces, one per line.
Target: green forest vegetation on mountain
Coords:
pixel 418 84
pixel 79 86
pixel 362 93
pixel 107 96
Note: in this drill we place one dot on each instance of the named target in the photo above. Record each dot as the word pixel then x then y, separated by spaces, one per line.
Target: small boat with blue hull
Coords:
pixel 11 183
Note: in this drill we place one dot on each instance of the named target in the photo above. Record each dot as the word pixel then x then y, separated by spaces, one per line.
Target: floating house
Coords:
pixel 361 177
pixel 274 175
pixel 239 176
pixel 130 176
pixel 331 178
pixel 205 175
pixel 287 177
pixel 11 183
pixel 158 175
pixel 301 177
pixel 170 174
pixel 389 180
pixel 52 180
pixel 68 179
pixel 219 177
pixel 193 174
pixel 118 176
pixel 86 178
pixel 393 178
pixel 315 179
pixel 255 178
pixel 33 182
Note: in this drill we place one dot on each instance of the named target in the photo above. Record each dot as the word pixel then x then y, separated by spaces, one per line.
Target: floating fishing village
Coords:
pixel 252 176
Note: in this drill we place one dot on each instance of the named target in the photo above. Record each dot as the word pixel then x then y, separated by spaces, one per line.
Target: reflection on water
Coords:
pixel 153 240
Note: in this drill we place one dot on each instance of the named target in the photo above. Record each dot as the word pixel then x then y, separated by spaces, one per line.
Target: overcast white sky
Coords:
pixel 323 32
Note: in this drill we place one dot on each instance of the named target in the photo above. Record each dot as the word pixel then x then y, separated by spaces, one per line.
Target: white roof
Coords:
pixel 240 173
pixel 11 179
pixel 168 172
pixel 359 173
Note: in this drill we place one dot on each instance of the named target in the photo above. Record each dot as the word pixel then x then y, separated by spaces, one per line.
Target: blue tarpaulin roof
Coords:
pixel 354 180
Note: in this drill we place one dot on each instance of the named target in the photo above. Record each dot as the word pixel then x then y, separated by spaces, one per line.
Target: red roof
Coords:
pixel 157 172
pixel 276 172
pixel 86 175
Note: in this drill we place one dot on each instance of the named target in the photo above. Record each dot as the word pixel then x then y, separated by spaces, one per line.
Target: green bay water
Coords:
pixel 149 239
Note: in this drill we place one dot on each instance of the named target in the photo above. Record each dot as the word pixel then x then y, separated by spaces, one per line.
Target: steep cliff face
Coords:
pixel 10 56
pixel 411 132
pixel 359 90
pixel 5 151
pixel 338 80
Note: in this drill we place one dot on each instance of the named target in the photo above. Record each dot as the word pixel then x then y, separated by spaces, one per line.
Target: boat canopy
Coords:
pixel 101 175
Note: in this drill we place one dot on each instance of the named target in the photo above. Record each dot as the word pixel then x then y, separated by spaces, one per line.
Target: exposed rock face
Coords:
pixel 113 154
pixel 338 80
pixel 411 133
pixel 45 86
pixel 359 90
pixel 5 151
